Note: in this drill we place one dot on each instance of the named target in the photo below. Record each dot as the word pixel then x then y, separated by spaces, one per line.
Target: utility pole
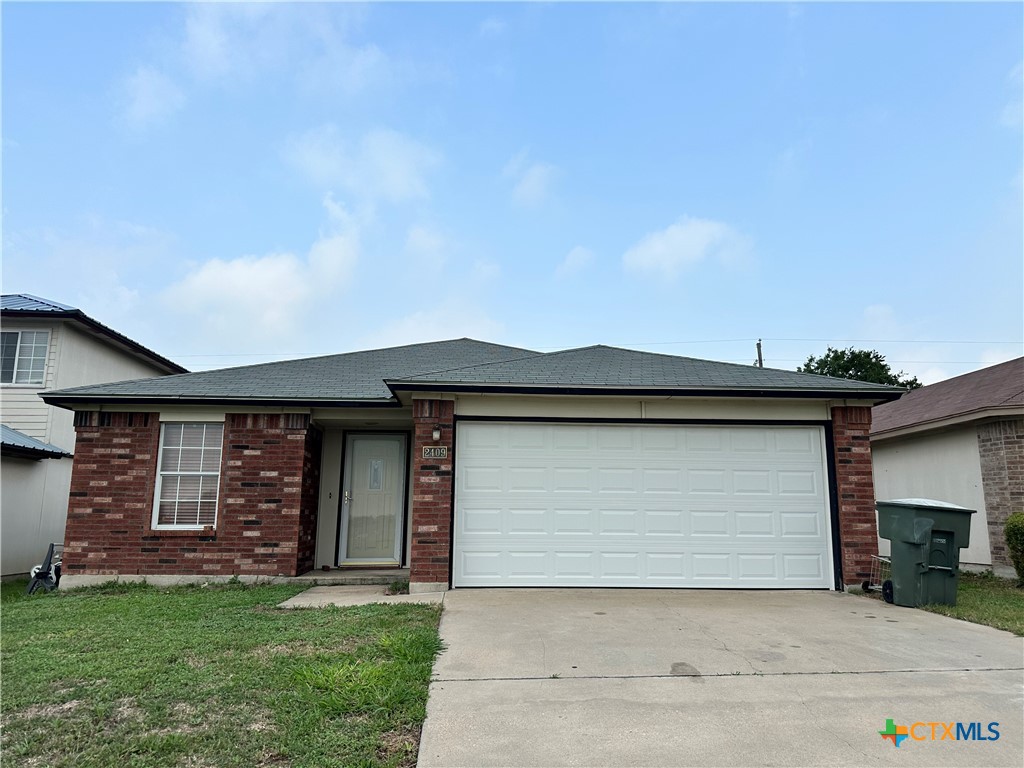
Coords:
pixel 760 360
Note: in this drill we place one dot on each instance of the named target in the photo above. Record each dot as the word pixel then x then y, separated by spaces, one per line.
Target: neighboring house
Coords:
pixel 962 441
pixel 476 464
pixel 46 345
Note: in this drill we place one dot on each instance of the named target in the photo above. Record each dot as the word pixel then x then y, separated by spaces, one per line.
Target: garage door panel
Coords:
pixel 579 505
pixel 755 524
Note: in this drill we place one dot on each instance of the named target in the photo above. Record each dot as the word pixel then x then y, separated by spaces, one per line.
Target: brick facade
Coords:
pixel 432 494
pixel 266 513
pixel 1001 449
pixel 858 528
pixel 270 479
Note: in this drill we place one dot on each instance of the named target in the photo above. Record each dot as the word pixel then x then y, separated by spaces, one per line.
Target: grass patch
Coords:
pixel 13 589
pixel 132 675
pixel 984 598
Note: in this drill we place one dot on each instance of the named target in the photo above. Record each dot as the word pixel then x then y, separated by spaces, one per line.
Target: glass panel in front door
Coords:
pixel 376 488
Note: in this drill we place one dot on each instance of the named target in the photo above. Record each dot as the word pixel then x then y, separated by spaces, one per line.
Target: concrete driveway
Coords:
pixel 681 677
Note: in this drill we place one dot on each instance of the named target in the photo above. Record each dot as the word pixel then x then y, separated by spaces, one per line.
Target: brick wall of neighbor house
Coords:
pixel 855 487
pixel 432 493
pixel 1001 448
pixel 268 490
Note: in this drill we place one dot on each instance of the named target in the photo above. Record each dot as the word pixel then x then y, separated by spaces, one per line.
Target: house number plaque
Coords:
pixel 435 451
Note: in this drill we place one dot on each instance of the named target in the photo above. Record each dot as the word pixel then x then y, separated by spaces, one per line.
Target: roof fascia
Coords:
pixel 97 328
pixel 960 419
pixel 90 402
pixel 874 396
pixel 35 454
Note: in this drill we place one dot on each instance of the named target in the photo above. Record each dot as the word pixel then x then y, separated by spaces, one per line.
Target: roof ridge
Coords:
pixel 346 354
pixel 474 365
pixel 816 376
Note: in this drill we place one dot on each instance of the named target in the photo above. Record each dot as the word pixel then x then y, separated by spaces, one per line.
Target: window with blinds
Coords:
pixel 189 475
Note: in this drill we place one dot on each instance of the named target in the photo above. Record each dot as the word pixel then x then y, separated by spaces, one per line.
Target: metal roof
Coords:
pixel 374 376
pixel 34 303
pixel 25 305
pixel 15 443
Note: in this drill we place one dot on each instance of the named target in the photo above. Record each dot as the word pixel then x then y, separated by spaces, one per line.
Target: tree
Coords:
pixel 859 365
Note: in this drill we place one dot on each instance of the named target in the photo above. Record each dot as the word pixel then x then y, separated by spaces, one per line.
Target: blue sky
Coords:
pixel 243 183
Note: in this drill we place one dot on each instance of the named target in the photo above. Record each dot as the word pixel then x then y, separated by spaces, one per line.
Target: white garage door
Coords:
pixel 640 506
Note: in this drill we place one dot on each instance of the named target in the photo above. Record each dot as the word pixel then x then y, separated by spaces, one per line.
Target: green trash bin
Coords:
pixel 926 537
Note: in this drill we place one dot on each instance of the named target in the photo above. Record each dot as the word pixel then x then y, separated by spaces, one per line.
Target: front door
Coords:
pixel 373 497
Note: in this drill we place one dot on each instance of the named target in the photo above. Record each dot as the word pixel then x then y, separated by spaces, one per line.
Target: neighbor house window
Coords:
pixel 23 356
pixel 188 476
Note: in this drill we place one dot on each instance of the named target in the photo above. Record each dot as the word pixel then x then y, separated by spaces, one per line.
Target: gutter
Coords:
pixel 69 401
pixel 521 389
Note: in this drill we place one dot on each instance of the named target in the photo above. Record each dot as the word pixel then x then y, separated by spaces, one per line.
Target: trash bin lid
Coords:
pixel 923 503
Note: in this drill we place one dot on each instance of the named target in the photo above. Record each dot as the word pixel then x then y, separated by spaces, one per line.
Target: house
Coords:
pixel 962 441
pixel 46 345
pixel 476 464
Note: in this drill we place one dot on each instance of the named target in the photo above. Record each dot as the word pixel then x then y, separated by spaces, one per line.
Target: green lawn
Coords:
pixel 131 675
pixel 986 599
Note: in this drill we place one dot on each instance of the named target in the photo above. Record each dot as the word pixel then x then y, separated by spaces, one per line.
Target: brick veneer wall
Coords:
pixel 1001 449
pixel 858 527
pixel 432 493
pixel 266 509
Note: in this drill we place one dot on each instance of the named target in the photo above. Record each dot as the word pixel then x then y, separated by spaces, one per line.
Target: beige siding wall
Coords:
pixel 944 466
pixel 34 500
pixel 33 497
pixel 632 408
pixel 85 360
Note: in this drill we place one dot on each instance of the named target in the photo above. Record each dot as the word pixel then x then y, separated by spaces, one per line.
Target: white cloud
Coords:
pixel 531 182
pixel 149 97
pixel 426 247
pixel 452 319
pixel 578 259
pixel 264 299
pixel 223 41
pixel 381 165
pixel 483 272
pixel 491 27
pixel 669 251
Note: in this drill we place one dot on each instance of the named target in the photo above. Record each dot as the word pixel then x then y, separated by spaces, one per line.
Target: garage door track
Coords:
pixel 601 677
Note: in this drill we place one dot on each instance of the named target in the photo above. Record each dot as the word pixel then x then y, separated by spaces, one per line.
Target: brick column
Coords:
pixel 429 566
pixel 858 528
pixel 1001 450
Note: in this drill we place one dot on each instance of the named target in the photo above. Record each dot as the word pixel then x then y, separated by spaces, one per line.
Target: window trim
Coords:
pixel 155 523
pixel 17 357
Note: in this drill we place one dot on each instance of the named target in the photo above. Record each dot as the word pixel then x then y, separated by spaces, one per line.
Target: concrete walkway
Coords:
pixel 318 597
pixel 706 678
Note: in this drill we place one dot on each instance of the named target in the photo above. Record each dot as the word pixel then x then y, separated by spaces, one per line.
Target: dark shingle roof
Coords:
pixel 345 377
pixel 997 387
pixel 25 305
pixel 374 376
pixel 15 443
pixel 615 368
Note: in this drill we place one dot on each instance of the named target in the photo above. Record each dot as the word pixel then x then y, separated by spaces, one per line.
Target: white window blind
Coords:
pixel 189 475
